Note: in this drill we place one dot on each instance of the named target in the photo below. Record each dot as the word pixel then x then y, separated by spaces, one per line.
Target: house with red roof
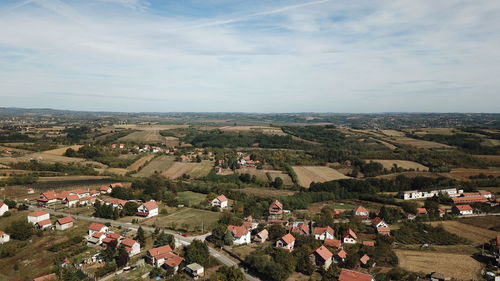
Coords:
pixel 378 222
pixel 96 238
pixel 131 246
pixel 97 227
pixel 462 210
pixel 37 216
pixel 48 277
pixel 276 208
pixel 286 242
pixel 349 237
pixel 220 201
pixel 240 234
pixel 115 202
pixel 112 239
pixel 340 256
pixel 48 197
pixel 43 224
pixel 422 211
pixel 364 260
pixel 64 223
pixel 300 228
pixel 261 237
pixel 369 243
pixel 350 275
pixel 322 257
pixel 361 211
pixel 105 189
pixel 4 237
pixel 148 209
pixel 3 208
pixel 71 200
pixel 385 231
pixel 322 233
pixel 334 243
pixel 164 257
pixel 469 199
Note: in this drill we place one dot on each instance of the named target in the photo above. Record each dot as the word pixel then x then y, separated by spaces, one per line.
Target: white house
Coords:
pixel 164 257
pixel 64 223
pixel 322 257
pixel 286 242
pixel 148 209
pixel 3 208
pixel 195 270
pixel 241 235
pixel 131 246
pixel 44 224
pixel 463 210
pixel 262 236
pixel 97 227
pixel 38 216
pixel 220 201
pixel 4 237
pixel 322 233
pixel 378 222
pixel 349 237
pixel 96 238
pixel 71 200
pixel 116 203
pixel 418 194
pixel 360 211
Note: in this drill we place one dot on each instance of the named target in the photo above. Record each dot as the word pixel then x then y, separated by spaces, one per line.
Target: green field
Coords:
pixel 187 219
pixel 190 198
pixel 158 165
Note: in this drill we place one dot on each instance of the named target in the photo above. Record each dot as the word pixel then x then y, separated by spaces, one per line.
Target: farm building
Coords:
pixel 116 203
pixel 419 194
pixel 286 242
pixel 220 201
pixel 38 216
pixel 469 199
pixel 300 228
pixel 462 210
pixel 64 223
pixel 148 209
pixel 4 237
pixel 195 270
pixel 44 224
pixel 276 208
pixel 3 208
pixel 240 234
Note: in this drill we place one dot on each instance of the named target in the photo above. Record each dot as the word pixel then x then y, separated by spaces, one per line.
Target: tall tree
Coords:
pixel 141 237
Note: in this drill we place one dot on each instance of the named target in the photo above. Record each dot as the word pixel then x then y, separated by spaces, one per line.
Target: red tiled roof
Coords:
pixel 44 222
pixel 173 261
pixel 128 242
pixel 151 205
pixel 72 197
pixel 49 195
pixel 332 243
pixel 104 188
pixel 324 253
pixel 360 209
pixel 276 204
pixel 377 220
pixel 321 230
pixel 37 214
pixel 97 234
pixel 155 252
pixel 349 275
pixel 113 235
pixel 350 233
pixel 469 199
pixel 301 228
pixel 369 243
pixel 47 277
pixel 342 254
pixel 115 201
pixel 422 211
pixel 464 207
pixel 118 184
pixel 65 220
pixel 237 231
pixel 288 238
pixel 364 259
pixel 1 204
pixel 221 198
pixel 2 233
pixel 96 226
pixel 383 230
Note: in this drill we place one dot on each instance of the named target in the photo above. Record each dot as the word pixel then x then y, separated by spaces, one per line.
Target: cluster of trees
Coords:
pixel 107 211
pixel 102 155
pixel 467 142
pixel 69 168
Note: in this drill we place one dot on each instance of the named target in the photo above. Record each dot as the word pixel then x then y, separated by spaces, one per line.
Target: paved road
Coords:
pixel 180 239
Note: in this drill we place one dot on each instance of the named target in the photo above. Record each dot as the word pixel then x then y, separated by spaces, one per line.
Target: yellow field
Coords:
pixel 388 164
pixel 459 266
pixel 392 133
pixel 464 174
pixel 48 158
pixel 475 234
pixel 157 165
pixel 420 143
pixel 492 158
pixel 62 150
pixel 309 174
pixel 141 161
pixel 146 136
pixel 193 169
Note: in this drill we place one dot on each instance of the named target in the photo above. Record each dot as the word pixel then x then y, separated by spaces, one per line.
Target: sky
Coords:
pixel 251 56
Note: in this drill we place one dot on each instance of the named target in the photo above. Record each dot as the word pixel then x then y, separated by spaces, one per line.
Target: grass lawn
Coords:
pixel 190 198
pixel 186 219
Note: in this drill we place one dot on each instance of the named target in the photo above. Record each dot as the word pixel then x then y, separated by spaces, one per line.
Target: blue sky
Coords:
pixel 251 56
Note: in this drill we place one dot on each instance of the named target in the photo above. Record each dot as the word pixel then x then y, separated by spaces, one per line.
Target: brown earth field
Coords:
pixel 488 222
pixel 267 192
pixel 257 129
pixel 151 127
pixel 309 174
pixel 147 136
pixel 464 174
pixel 419 143
pixel 459 266
pixel 405 164
pixel 475 234
pixel 60 151
pixel 141 161
pixel 492 158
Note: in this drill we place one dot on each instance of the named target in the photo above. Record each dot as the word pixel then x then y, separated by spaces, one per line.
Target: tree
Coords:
pixel 108 254
pixel 197 252
pixel 276 231
pixel 20 230
pixel 227 273
pixel 116 213
pixel 278 182
pixel 228 239
pixel 331 273
pixel 122 258
pixel 10 203
pixel 304 263
pixel 70 152
pixel 141 237
pixel 164 239
pixel 130 208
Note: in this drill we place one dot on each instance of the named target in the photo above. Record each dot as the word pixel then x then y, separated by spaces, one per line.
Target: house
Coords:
pixel 80 192
pixel 261 237
pixel 164 257
pixel 334 243
pixel 3 208
pixel 418 194
pixel 31 191
pixel 350 275
pixel 64 223
pixel 322 233
pixel 97 227
pixel 422 211
pixel 87 200
pixel 485 193
pixel 369 243
pixel 131 246
pixel 44 224
pixel 116 203
pixel 385 231
pixel 48 277
pixel 96 238
pixel 48 197
pixel 462 210
pixel 442 212
pixel 148 209
pixel 349 237
pixel 250 224
pixel 220 201
pixel 37 216
pixel 378 222
pixel 71 200
pixel 105 189
pixel 300 228
pixel 195 270
pixel 437 276
pixel 112 239
pixel 286 242
pixel 276 208
pixel 322 257
pixel 4 237
pixel 340 256
pixel 240 234
pixel 361 211
pixel 364 260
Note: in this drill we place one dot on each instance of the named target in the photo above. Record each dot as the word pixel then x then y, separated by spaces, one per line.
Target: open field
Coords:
pixel 492 158
pixel 309 174
pixel 116 171
pixel 141 161
pixel 410 175
pixel 48 158
pixel 388 164
pixel 194 218
pixel 60 151
pixel 489 222
pixel 266 192
pixel 257 129
pixel 434 131
pixel 475 234
pixel 386 144
pixel 147 136
pixel 262 175
pixel 392 133
pixel 315 208
pixel 158 165
pixel 150 127
pixel 420 143
pixel 195 170
pixel 464 174
pixel 190 198
pixel 459 266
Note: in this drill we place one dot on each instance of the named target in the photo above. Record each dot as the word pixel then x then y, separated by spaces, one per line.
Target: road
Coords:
pixel 180 239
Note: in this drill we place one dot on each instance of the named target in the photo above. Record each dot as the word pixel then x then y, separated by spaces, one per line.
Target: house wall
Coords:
pixel 3 209
pixel 349 240
pixel 34 220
